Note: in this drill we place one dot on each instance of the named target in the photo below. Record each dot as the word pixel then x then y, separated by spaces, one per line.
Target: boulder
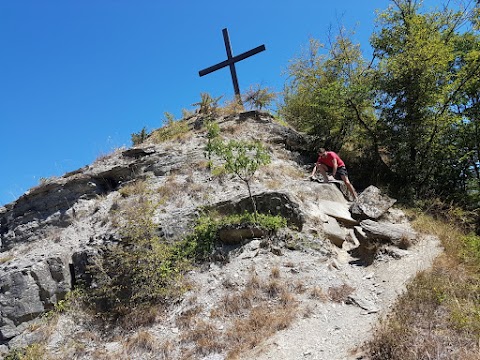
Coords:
pixel 399 235
pixel 238 233
pixel 371 204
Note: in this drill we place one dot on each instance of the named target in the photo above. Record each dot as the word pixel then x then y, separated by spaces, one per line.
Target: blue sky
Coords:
pixel 78 77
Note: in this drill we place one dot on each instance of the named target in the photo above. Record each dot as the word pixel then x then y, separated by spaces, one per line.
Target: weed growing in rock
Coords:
pixel 340 293
pixel 141 342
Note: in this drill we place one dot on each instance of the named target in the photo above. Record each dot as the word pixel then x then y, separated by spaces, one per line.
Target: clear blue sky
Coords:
pixel 78 77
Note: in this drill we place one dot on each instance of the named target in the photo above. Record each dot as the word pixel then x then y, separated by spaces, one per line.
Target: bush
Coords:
pixel 259 98
pixel 471 250
pixel 140 137
pixel 172 130
pixel 141 269
pixel 201 243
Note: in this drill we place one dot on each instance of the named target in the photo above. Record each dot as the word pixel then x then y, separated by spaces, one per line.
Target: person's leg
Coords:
pixel 349 186
pixel 323 170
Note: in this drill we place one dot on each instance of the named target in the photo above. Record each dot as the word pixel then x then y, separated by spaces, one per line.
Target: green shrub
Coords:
pixel 140 137
pixel 141 269
pixel 471 249
pixel 259 98
pixel 171 130
pixel 201 243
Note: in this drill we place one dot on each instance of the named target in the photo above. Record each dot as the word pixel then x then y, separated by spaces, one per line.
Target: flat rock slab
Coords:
pixel 336 210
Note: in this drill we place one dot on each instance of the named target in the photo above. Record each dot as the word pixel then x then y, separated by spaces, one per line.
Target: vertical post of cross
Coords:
pixel 233 72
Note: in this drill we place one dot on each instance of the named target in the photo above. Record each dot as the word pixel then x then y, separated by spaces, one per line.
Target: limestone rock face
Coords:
pixel 52 234
pixel 29 292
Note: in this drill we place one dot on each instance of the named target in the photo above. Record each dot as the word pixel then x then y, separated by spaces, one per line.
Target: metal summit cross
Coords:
pixel 231 60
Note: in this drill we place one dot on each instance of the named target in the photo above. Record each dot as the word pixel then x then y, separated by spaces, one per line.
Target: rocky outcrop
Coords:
pixel 52 235
pixel 28 292
pixel 274 203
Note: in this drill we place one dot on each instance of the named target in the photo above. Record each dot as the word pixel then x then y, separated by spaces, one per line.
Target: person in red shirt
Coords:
pixel 330 162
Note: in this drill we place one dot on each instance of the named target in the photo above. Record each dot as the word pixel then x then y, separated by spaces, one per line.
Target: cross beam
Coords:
pixel 231 60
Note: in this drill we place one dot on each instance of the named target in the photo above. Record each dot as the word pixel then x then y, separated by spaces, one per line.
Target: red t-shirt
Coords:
pixel 328 160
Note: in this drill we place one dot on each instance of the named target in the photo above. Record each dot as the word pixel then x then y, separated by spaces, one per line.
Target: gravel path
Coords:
pixel 334 330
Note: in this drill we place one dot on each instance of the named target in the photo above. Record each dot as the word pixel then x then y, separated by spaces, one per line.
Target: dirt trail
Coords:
pixel 334 330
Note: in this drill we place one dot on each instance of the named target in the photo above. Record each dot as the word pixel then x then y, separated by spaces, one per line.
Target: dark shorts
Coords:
pixel 342 170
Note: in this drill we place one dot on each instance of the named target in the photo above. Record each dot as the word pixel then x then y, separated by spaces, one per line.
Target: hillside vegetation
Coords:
pixel 204 240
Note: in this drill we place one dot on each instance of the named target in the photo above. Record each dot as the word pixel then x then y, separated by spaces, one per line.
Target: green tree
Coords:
pixel 328 92
pixel 243 159
pixel 418 77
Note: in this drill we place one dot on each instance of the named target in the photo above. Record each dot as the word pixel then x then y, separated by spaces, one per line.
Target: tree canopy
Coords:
pixel 411 113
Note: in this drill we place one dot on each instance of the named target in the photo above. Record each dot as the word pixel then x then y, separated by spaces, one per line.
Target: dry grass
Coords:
pixel 277 174
pixel 250 315
pixel 232 129
pixel 275 272
pixel 340 293
pixel 165 350
pixel 206 337
pixel 187 317
pixel 136 187
pixel 274 288
pixel 439 315
pixel 176 130
pixel 6 258
pixel 253 280
pixel 140 342
pixel 298 287
pixel 171 189
pixel 140 316
pixel 273 184
pixel 317 293
pixel 231 107
pixel 263 321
